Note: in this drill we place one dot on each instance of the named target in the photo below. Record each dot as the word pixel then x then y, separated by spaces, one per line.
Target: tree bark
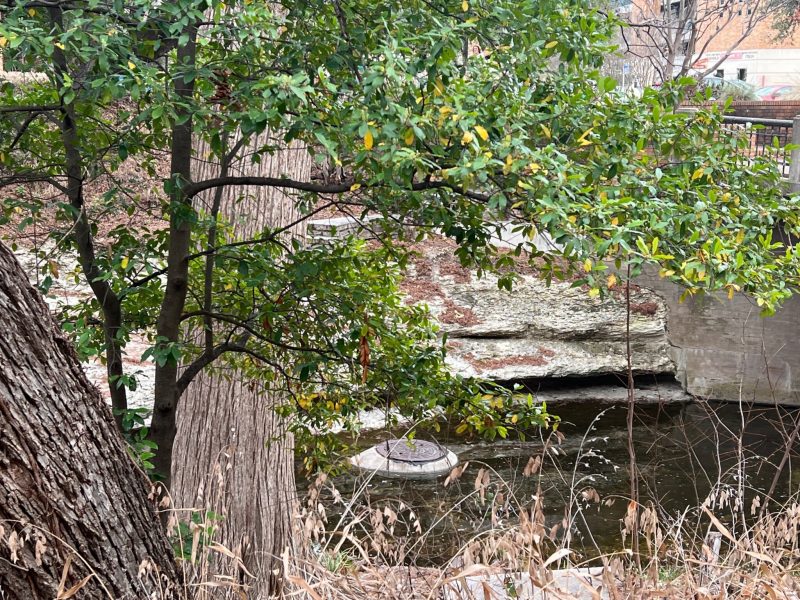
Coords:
pixel 168 328
pixel 232 454
pixel 73 505
pixel 108 300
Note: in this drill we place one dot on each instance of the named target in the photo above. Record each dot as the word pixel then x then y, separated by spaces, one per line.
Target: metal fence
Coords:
pixel 768 137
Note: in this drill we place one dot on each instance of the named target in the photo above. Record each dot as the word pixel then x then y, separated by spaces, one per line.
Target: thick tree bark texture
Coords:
pixel 73 506
pixel 232 454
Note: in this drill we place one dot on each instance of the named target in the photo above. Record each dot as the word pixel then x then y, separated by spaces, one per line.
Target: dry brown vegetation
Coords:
pixel 724 548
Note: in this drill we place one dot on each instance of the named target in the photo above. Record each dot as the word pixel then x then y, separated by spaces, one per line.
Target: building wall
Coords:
pixel 763 66
pixel 766 58
pixel 763 37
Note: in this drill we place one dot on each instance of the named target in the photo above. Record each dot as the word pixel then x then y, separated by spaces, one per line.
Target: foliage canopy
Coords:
pixel 453 116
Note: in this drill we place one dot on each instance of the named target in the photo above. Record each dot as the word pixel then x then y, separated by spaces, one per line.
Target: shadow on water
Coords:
pixel 683 452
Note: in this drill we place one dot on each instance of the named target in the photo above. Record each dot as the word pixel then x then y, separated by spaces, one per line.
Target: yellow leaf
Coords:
pixel 730 293
pixel 3 41
pixel 461 428
pixel 611 281
pixel 546 131
pixel 615 221
pixel 594 292
pixel 124 262
pixel 551 44
pixel 698 173
pixel 409 138
pixel 438 87
pixel 740 236
pixel 467 138
pixel 32 12
pixel 354 187
pixel 582 141
pixel 131 65
pixel 465 6
pixel 587 265
pixel 368 140
pixel 572 219
pixel 228 286
pixel 534 167
pixel 603 196
pixel 514 418
pixel 484 135
pixel 59 45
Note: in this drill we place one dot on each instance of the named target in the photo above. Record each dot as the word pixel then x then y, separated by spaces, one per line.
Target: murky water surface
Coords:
pixel 682 452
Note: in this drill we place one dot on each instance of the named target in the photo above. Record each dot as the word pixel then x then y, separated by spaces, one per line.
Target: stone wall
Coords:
pixel 716 348
pixel 723 349
pixel 783 109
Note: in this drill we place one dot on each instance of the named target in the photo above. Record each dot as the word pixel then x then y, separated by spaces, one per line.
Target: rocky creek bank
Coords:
pixel 709 347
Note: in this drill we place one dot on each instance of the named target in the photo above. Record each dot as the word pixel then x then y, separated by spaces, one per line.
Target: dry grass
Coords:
pixel 736 544
pixel 730 546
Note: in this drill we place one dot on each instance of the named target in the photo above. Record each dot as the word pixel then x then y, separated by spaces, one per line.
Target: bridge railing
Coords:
pixel 770 137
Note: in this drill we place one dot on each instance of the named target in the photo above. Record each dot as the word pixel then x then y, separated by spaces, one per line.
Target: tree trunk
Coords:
pixel 168 327
pixel 232 454
pixel 72 503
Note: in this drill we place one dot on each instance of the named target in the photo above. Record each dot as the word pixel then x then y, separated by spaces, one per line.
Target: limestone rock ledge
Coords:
pixel 536 330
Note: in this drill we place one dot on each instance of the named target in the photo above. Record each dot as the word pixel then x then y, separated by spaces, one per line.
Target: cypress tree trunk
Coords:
pixel 74 508
pixel 232 455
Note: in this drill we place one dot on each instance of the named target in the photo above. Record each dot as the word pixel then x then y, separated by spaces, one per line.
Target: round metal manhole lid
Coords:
pixel 411 451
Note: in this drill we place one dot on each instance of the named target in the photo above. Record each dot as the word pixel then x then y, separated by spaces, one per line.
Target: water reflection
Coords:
pixel 683 452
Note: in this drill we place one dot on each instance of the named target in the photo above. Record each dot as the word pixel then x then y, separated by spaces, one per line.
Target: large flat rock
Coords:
pixel 536 330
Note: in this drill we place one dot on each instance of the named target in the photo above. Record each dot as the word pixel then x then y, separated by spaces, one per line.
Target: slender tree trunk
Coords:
pixel 232 454
pixel 72 503
pixel 82 235
pixel 168 327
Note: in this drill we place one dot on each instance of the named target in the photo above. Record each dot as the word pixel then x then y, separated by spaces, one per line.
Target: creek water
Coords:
pixel 683 452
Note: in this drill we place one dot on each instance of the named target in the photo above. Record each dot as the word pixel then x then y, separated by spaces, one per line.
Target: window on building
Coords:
pixel 720 73
pixel 741 74
pixel 675 10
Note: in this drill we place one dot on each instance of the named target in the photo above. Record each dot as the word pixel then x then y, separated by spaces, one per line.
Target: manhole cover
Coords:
pixel 410 451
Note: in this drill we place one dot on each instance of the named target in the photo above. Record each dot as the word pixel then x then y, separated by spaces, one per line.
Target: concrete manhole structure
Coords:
pixel 404 458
